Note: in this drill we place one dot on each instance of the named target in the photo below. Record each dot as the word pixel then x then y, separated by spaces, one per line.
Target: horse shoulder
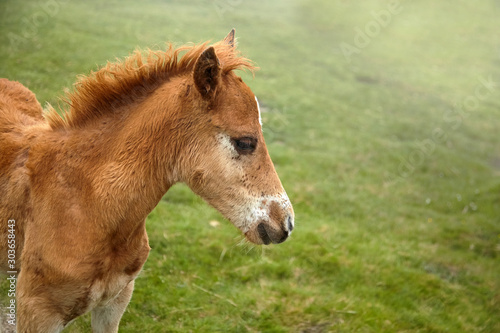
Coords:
pixel 20 120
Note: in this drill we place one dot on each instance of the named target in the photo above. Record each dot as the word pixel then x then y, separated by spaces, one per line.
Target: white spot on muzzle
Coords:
pixel 257 210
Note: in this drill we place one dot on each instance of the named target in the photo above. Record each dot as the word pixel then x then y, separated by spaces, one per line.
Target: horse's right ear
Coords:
pixel 207 72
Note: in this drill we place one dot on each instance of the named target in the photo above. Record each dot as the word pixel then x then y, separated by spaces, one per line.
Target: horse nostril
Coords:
pixel 290 224
pixel 263 234
pixel 283 238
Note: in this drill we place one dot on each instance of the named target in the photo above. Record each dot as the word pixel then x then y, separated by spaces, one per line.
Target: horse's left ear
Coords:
pixel 207 72
pixel 230 38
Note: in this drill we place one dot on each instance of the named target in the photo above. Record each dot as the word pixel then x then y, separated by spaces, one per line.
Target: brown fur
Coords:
pixel 118 83
pixel 81 187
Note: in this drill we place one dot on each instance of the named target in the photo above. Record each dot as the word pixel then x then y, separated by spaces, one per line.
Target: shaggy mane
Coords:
pixel 117 83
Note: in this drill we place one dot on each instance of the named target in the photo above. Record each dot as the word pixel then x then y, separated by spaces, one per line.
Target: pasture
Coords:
pixel 382 120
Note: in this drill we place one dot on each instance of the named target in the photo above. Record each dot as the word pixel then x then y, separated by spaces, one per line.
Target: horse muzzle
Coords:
pixel 268 232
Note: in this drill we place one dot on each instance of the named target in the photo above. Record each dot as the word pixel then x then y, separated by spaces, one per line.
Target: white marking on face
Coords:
pixel 257 210
pixel 258 108
pixel 227 146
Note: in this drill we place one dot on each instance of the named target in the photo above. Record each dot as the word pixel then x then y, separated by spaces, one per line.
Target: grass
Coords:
pixel 389 154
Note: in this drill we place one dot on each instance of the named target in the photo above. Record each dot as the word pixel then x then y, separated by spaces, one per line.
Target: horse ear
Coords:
pixel 230 38
pixel 207 72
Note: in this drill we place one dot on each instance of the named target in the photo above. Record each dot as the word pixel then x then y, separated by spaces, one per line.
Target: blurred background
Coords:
pixel 382 119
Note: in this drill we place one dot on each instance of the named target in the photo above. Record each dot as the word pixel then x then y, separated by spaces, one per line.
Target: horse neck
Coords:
pixel 137 152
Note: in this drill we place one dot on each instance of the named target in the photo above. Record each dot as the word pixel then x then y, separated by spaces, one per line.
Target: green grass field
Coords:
pixel 382 119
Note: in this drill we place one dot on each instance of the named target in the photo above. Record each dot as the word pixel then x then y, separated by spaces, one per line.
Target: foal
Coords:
pixel 79 188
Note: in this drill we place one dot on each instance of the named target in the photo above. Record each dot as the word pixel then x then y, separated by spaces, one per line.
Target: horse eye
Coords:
pixel 245 145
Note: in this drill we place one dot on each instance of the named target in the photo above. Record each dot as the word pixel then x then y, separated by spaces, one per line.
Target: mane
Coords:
pixel 118 83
